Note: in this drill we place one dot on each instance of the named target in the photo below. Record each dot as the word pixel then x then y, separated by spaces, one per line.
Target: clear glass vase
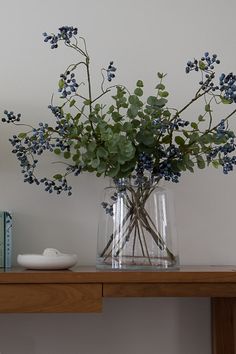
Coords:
pixel 136 227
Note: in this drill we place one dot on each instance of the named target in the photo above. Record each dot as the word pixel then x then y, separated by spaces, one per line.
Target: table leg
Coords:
pixel 223 325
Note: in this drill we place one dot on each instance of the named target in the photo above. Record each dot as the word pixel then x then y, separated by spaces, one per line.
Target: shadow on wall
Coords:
pixel 127 326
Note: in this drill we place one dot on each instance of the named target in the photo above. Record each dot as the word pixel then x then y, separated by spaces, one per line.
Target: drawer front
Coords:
pixel 50 298
pixel 169 290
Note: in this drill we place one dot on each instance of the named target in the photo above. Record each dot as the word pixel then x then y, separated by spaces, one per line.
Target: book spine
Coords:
pixel 2 245
pixel 8 239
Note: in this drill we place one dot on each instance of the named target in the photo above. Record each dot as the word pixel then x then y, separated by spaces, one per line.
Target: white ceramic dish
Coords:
pixel 50 259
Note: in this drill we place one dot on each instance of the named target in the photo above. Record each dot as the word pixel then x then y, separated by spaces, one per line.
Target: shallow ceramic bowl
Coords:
pixel 50 259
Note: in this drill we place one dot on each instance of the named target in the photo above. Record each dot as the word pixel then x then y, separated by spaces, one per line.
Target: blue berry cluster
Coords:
pixel 60 186
pixel 22 155
pixel 24 151
pixel 192 65
pixel 56 111
pixel 221 129
pixel 208 60
pixel 108 208
pixel 164 125
pixel 63 128
pixel 173 151
pixel 75 169
pixel 228 164
pixel 223 151
pixel 110 71
pixel 69 84
pixel 144 162
pixel 26 148
pixel 65 33
pixel 144 165
pixel 166 171
pixel 11 117
pixel 178 123
pixel 228 86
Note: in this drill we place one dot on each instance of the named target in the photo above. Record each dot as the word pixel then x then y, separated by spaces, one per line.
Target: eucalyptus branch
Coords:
pixel 189 104
pixel 135 135
pixel 85 46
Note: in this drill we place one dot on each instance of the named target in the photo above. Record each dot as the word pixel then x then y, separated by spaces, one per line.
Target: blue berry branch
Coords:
pixel 132 137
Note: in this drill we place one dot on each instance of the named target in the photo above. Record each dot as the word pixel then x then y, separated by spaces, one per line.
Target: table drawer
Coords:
pixel 50 298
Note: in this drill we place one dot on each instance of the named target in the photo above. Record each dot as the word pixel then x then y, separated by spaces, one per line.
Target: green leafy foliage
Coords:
pixel 131 129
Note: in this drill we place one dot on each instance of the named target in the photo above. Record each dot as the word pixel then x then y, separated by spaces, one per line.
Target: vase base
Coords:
pixel 137 263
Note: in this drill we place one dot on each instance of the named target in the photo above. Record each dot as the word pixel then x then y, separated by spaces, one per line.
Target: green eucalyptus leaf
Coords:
pixel 113 172
pixel 57 151
pixel 161 102
pixel 138 91
pixel 186 134
pixel 58 177
pixel 139 83
pixel 102 167
pixel 215 163
pixel 61 83
pixel 225 100
pixel 194 125
pixel 152 100
pixel 76 157
pixel 116 116
pixel 166 139
pixel 145 137
pixel 111 109
pixel 194 137
pixel 161 75
pixel 72 102
pixel 179 140
pixel 181 165
pixel 201 65
pixel 200 162
pixel 166 113
pixel 95 163
pixel 22 135
pixel 207 108
pixel 163 94
pixel 201 118
pixel 135 123
pixel 128 166
pixel 134 110
pixel 127 127
pixel 67 154
pixel 160 86
pixel 101 152
pixel 190 168
pixel 77 117
pixel 91 146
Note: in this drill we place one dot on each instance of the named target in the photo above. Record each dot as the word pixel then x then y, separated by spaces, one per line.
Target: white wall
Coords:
pixel 142 37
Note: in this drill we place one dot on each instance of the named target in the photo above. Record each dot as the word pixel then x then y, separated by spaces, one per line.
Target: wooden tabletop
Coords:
pixel 185 274
pixel 82 289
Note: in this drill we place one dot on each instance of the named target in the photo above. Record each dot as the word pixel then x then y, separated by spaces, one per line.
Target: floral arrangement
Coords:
pixel 132 137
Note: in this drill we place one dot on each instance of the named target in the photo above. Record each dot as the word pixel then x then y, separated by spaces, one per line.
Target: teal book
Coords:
pixel 7 239
pixel 2 238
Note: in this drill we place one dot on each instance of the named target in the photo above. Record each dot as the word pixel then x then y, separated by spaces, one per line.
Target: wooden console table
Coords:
pixel 82 290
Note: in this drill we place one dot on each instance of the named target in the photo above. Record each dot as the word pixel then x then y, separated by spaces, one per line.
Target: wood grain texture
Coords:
pixel 82 289
pixel 186 274
pixel 50 298
pixel 169 290
pixel 223 325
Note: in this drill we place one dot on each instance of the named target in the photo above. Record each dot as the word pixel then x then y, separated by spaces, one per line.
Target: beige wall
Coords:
pixel 142 37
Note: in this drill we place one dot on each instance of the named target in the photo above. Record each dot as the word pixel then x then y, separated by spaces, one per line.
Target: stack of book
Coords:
pixel 5 239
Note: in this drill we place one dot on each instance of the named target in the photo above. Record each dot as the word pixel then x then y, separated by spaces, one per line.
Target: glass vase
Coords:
pixel 136 227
